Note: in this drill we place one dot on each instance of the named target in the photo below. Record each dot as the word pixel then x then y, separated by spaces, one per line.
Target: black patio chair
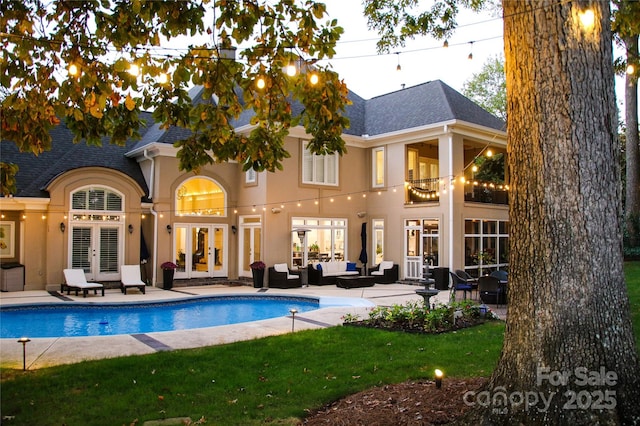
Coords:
pixel 491 290
pixel 459 283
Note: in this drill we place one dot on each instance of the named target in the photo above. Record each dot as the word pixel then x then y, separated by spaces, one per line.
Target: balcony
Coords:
pixel 423 190
pixel 486 192
pixel 428 191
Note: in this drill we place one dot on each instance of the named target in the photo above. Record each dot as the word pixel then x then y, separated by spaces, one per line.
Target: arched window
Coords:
pixel 202 197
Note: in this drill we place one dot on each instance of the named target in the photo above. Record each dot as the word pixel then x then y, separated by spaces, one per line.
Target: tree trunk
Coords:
pixel 632 147
pixel 569 354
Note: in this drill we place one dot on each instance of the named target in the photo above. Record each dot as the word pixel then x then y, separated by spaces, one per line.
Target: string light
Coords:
pixel 134 70
pixel 314 79
pixel 260 83
pixel 73 70
pixel 163 78
pixel 398 67
pixel 470 57
pixel 630 69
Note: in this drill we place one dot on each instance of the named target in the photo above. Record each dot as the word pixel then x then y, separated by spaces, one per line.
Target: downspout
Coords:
pixel 154 261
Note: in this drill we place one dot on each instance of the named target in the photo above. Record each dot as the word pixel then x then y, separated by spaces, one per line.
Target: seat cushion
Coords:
pixel 281 267
pixel 385 264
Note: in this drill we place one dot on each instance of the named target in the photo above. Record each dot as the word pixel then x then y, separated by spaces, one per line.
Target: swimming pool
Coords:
pixel 112 319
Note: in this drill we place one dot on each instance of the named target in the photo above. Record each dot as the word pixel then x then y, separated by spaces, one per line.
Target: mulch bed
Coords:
pixel 415 403
pixel 409 403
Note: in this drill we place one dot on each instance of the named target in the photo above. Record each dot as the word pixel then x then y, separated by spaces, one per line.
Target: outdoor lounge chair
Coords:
pixel 130 278
pixel 75 280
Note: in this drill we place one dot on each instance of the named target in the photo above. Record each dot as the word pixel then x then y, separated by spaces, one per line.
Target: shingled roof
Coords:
pixel 36 172
pixel 417 106
pixel 422 105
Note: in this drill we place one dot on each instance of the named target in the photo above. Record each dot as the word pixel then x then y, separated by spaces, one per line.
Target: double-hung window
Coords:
pixel 319 169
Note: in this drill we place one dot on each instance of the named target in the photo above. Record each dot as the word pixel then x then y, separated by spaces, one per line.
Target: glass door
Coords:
pixel 97 249
pixel 413 250
pixel 200 250
pixel 250 243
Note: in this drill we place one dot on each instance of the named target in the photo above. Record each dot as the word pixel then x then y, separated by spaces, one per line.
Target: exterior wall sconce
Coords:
pixel 276 210
pixel 130 228
pixel 361 214
pixel 234 229
pixel 169 228
pixel 62 227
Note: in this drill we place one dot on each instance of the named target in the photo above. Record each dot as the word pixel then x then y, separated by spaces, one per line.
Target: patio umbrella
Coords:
pixel 144 251
pixel 363 253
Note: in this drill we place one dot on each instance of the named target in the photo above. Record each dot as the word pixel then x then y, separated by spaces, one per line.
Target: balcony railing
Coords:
pixel 486 192
pixel 423 190
pixel 428 190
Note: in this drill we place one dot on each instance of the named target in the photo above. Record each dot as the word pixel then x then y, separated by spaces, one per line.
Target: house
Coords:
pixel 407 175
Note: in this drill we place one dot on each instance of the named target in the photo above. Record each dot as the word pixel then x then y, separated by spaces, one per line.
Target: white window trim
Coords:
pixel 314 160
pixel 375 169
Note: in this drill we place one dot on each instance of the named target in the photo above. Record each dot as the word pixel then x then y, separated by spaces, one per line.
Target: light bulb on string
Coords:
pixel 398 67
pixel 630 69
pixel 73 70
pixel 163 78
pixel 134 70
pixel 260 83
pixel 470 57
pixel 489 153
pixel 313 78
pixel 445 44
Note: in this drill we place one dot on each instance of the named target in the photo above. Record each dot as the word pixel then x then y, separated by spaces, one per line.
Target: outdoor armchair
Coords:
pixel 280 276
pixel 490 289
pixel 460 284
pixel 386 272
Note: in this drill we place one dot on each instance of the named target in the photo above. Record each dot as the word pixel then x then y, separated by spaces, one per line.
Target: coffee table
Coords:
pixel 354 281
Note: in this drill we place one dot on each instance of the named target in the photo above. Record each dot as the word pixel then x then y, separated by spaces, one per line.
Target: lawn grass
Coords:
pixel 244 382
pixel 252 382
pixel 632 277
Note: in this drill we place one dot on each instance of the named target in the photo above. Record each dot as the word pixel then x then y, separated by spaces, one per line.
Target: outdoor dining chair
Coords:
pixel 460 284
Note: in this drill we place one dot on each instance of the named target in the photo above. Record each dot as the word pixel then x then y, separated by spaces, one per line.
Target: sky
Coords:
pixel 424 59
pixel 370 74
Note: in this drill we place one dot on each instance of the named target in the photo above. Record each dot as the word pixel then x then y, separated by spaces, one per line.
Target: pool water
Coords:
pixel 107 320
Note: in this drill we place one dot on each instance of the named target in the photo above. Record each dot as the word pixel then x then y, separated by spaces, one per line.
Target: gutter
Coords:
pixel 154 260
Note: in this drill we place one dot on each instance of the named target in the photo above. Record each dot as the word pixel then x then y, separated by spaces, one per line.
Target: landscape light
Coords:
pixel 438 375
pixel 24 341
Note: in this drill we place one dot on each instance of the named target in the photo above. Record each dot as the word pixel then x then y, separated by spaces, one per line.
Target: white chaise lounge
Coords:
pixel 130 278
pixel 75 280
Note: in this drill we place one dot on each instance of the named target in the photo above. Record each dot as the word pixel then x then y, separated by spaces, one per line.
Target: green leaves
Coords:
pixel 103 39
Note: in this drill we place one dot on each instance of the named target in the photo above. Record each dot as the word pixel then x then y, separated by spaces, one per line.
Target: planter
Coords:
pixel 258 277
pixel 167 278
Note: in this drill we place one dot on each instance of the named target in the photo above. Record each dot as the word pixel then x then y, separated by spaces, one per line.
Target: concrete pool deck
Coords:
pixel 46 352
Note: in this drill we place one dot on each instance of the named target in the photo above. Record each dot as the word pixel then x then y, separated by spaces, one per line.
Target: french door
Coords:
pixel 250 243
pixel 200 250
pixel 97 249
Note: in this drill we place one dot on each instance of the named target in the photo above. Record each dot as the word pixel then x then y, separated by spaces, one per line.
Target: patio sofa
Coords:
pixel 325 273
pixel 386 272
pixel 280 276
